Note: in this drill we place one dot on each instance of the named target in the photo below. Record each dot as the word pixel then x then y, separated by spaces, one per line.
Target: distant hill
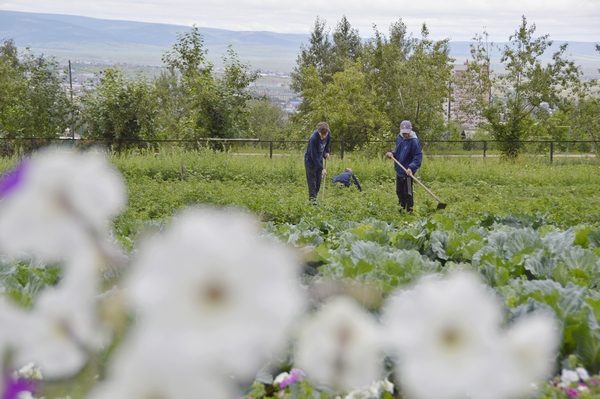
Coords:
pixel 101 40
pixel 75 38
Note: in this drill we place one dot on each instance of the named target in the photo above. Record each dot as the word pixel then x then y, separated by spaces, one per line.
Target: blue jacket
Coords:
pixel 345 177
pixel 408 153
pixel 313 157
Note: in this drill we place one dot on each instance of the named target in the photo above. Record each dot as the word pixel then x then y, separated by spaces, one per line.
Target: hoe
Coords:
pixel 440 204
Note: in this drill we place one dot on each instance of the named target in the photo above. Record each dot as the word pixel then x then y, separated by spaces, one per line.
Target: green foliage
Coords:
pixel 196 101
pixel 347 104
pixel 33 102
pixel 265 120
pixel 22 281
pixel 362 91
pixel 526 84
pixel 118 108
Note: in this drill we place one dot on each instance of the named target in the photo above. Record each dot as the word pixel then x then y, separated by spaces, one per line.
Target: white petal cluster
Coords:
pixel 447 336
pixel 340 346
pixel 213 294
pixel 64 199
pixel 59 210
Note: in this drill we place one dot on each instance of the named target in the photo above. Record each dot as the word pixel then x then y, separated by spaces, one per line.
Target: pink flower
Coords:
pixel 295 375
pixel 572 393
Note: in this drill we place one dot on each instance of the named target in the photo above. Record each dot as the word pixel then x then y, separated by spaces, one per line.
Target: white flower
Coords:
pixel 568 376
pixel 525 355
pixel 280 378
pixel 59 331
pixel 374 391
pixel 212 280
pixel 62 200
pixel 150 364
pixel 340 345
pixel 443 332
pixel 583 373
pixel 30 371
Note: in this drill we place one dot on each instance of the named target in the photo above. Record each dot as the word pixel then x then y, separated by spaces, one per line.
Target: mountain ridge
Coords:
pixel 69 37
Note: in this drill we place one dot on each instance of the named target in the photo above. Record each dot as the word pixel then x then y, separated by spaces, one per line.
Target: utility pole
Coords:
pixel 71 90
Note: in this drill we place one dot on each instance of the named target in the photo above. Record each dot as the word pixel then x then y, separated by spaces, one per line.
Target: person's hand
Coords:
pixel 324 172
pixel 389 154
pixel 409 172
pixel 326 155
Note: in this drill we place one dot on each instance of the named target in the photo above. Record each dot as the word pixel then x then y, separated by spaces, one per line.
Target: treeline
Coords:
pixel 363 89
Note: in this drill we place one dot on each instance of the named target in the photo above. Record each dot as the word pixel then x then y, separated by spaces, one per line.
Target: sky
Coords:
pixel 459 20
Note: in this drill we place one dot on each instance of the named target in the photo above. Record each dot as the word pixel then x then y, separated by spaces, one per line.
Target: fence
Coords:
pixel 270 148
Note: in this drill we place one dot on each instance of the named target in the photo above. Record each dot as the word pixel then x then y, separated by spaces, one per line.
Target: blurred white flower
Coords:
pixel 150 364
pixel 59 201
pixel 374 391
pixel 583 373
pixel 59 331
pixel 216 284
pixel 340 345
pixel 30 371
pixel 568 376
pixel 525 355
pixel 443 332
pixel 281 377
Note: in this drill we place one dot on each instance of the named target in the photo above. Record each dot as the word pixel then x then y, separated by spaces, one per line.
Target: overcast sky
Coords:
pixel 571 20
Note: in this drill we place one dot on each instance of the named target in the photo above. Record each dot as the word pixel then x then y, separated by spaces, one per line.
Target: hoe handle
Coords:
pixel 417 180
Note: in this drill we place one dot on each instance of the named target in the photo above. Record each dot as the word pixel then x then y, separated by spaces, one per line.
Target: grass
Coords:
pixel 275 188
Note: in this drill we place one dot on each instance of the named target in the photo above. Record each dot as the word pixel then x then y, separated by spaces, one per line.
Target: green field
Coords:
pixel 529 228
pixel 564 193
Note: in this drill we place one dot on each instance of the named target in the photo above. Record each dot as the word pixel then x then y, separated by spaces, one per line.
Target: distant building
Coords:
pixel 460 97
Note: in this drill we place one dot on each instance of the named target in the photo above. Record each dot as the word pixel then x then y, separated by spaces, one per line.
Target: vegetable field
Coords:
pixel 529 230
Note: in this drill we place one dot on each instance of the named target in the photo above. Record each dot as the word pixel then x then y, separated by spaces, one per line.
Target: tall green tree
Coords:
pixel 12 89
pixel 410 76
pixel 34 99
pixel 207 103
pixel 526 83
pixel 119 108
pixel 327 54
pixel 347 103
pixel 315 55
pixel 347 45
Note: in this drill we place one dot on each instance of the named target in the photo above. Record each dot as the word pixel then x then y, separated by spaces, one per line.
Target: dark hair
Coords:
pixel 323 127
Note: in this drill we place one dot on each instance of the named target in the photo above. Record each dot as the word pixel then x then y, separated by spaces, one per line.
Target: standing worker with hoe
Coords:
pixel 318 149
pixel 409 155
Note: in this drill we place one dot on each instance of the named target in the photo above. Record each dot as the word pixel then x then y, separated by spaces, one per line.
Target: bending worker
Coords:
pixel 345 177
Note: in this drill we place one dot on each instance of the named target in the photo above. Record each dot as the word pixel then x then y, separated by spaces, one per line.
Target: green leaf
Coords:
pixel 437 244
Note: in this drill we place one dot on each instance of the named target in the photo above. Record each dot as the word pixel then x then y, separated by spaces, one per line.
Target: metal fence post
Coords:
pixel 343 147
pixel 484 147
pixel 271 149
pixel 551 150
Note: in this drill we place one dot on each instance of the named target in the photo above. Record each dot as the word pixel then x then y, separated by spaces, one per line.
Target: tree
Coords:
pixel 410 76
pixel 347 102
pixel 526 84
pixel 47 110
pixel 119 109
pixel 12 89
pixel 33 98
pixel 316 55
pixel 347 45
pixel 265 120
pixel 206 104
pixel 325 56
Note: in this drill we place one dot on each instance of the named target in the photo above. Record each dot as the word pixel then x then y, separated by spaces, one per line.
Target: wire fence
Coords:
pixel 468 148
